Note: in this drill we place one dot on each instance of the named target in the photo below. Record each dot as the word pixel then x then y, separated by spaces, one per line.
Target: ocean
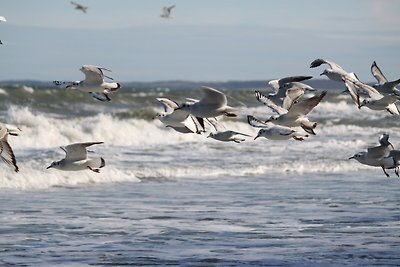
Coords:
pixel 171 199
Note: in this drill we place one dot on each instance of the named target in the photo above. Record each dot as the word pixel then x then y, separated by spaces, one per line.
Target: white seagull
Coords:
pixel 295 114
pixel 76 159
pixel 6 152
pixel 383 86
pixel 223 135
pixel 79 7
pixel 94 83
pixel 376 100
pixel 177 119
pixel 2 18
pixel 166 12
pixel 378 156
pixel 335 73
pixel 213 104
pixel 274 132
pixel 288 85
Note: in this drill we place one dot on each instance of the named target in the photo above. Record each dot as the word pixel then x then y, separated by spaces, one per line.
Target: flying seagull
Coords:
pixel 79 7
pixel 166 12
pixel 76 159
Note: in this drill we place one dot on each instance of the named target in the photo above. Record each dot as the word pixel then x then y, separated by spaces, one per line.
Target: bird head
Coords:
pixel 260 133
pixel 54 164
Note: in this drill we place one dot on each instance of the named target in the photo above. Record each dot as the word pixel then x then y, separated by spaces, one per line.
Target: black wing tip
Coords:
pixel 315 63
pixel 103 163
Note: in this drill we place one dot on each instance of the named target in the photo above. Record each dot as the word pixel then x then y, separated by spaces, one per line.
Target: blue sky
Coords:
pixel 208 40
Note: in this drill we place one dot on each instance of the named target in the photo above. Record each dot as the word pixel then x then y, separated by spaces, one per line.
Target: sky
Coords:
pixel 207 40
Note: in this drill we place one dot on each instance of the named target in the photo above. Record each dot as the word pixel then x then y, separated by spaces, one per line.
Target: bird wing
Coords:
pixel 7 155
pixel 301 85
pixel 379 151
pixel 290 79
pixel 393 109
pixel 93 74
pixel 304 106
pixel 100 96
pixel 253 121
pixel 393 84
pixel 292 95
pixel 371 91
pixel 3 132
pixel 170 8
pixel 169 105
pixel 269 103
pixel 217 126
pixel 377 73
pixel 237 133
pixel 318 62
pixel 77 151
pixel 384 140
pixel 213 97
pixel 2 18
pixel 353 92
pixel 274 84
pixel 179 115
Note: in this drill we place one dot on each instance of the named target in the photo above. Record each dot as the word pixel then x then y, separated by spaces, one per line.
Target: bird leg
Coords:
pixel 384 171
pixel 396 170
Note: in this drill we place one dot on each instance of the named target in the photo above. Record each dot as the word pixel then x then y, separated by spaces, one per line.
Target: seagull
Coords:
pixel 6 152
pixel 213 104
pixel 2 18
pixel 79 7
pixel 223 135
pixel 166 12
pixel 274 132
pixel 376 100
pixel 377 156
pixel 383 86
pixel 179 120
pixel 292 84
pixel 94 83
pixel 295 114
pixel 335 73
pixel 76 159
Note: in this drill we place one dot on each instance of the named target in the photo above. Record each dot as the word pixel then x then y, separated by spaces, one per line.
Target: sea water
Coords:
pixel 166 198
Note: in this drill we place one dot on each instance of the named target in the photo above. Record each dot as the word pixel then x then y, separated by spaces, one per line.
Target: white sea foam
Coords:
pixel 28 89
pixel 3 92
pixel 32 178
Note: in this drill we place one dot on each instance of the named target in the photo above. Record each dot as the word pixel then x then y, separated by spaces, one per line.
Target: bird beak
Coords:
pixel 256 137
pixel 49 167
pixel 321 74
pixel 352 157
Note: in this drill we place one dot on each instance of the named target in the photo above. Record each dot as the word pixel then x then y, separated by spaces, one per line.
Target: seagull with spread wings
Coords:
pixel 295 114
pixel 76 159
pixel 79 7
pixel 94 83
